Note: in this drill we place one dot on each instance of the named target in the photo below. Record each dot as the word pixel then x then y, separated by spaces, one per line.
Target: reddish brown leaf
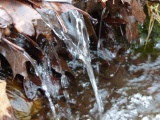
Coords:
pixel 131 29
pixel 21 15
pixel 43 29
pixel 16 59
pixel 131 32
pixel 137 11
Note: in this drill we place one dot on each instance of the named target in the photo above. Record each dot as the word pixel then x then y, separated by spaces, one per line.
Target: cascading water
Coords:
pixel 76 40
pixel 44 73
pixel 47 86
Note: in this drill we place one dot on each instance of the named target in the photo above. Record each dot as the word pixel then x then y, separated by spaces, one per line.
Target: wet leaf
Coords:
pixel 6 112
pixel 23 107
pixel 21 14
pixel 43 29
pixel 137 10
pixel 18 100
pixel 131 32
pixel 16 59
pixel 131 28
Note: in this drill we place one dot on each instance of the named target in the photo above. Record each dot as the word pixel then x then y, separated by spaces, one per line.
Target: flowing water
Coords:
pixel 44 73
pixel 76 40
pixel 128 88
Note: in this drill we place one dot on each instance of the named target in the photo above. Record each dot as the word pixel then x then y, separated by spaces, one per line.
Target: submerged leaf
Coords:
pixel 21 105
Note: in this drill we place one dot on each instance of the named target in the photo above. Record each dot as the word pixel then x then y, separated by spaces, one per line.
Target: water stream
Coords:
pixel 128 88
pixel 76 40
pixel 44 73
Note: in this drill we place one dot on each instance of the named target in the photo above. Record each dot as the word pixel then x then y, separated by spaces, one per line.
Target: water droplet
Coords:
pixel 94 21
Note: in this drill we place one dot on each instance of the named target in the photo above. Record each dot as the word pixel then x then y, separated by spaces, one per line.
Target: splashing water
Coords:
pixel 76 40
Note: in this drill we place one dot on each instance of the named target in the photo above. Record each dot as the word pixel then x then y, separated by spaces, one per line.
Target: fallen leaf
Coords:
pixel 137 11
pixel 6 112
pixel 131 32
pixel 131 28
pixel 16 59
pixel 18 100
pixel 20 12
pixel 42 29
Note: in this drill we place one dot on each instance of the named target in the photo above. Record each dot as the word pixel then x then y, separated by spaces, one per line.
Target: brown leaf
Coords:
pixel 22 15
pixel 43 29
pixel 6 112
pixel 137 11
pixel 131 32
pixel 131 29
pixel 16 59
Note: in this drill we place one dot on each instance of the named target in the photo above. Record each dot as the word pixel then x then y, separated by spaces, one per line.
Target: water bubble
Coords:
pixel 94 21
